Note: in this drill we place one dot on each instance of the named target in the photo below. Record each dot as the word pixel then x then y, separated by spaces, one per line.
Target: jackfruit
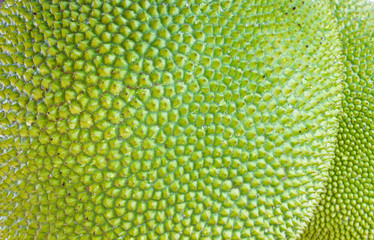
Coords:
pixel 347 210
pixel 167 119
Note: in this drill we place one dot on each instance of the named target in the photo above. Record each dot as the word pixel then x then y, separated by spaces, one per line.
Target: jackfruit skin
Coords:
pixel 165 119
pixel 346 211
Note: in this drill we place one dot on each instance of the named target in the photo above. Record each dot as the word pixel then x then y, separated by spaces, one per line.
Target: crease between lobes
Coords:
pixel 346 209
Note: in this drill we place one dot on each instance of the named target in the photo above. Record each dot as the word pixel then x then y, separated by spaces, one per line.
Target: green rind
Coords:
pixel 165 119
pixel 347 210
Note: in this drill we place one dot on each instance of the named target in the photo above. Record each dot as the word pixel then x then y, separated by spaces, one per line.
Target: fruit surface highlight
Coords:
pixel 165 119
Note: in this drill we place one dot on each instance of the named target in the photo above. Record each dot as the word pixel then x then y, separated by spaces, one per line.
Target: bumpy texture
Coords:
pixel 347 208
pixel 165 119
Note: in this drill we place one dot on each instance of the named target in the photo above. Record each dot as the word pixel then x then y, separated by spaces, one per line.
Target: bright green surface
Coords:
pixel 169 120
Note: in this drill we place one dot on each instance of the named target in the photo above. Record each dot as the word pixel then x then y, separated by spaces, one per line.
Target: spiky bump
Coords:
pixel 347 210
pixel 165 119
